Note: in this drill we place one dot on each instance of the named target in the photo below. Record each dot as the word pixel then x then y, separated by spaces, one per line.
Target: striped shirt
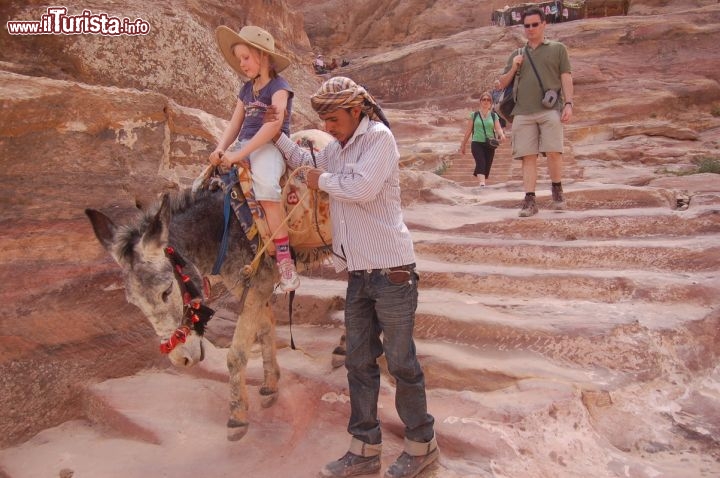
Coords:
pixel 363 182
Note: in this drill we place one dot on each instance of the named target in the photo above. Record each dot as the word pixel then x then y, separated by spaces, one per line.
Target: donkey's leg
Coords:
pixel 237 359
pixel 271 369
pixel 250 321
pixel 338 354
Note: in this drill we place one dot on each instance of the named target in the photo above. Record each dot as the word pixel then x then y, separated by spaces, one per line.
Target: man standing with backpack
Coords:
pixel 544 101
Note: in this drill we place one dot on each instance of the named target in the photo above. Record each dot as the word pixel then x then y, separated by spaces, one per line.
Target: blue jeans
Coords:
pixel 374 305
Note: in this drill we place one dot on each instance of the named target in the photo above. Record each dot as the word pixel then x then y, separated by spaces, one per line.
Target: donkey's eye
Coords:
pixel 167 293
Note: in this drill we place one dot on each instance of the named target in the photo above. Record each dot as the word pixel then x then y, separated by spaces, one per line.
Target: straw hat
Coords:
pixel 252 36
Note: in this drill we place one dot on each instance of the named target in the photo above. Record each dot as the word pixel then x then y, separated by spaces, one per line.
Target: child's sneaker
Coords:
pixel 289 279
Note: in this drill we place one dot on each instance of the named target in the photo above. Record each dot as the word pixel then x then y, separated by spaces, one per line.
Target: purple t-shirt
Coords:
pixel 255 107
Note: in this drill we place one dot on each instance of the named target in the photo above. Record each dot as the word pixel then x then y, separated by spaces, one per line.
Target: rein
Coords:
pixel 196 315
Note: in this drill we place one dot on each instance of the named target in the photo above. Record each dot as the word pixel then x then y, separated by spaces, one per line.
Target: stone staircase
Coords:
pixel 572 343
pixel 504 168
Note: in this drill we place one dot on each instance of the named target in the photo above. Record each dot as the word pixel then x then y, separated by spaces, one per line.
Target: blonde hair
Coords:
pixel 272 72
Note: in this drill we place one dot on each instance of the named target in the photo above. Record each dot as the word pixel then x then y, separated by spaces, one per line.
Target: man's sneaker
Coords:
pixel 408 466
pixel 558 199
pixel 351 465
pixel 289 279
pixel 529 208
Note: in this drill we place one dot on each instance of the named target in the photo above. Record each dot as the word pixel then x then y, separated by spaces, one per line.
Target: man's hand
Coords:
pixel 312 177
pixel 518 61
pixel 271 114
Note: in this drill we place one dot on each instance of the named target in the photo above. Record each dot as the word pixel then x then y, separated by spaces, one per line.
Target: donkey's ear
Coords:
pixel 157 230
pixel 103 226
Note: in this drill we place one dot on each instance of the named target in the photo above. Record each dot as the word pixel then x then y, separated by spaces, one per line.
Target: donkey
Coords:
pixel 191 225
pixel 164 257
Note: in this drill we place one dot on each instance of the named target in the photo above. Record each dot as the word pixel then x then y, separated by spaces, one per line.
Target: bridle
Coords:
pixel 196 315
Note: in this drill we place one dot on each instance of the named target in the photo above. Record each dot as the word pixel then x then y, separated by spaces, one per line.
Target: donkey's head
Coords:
pixel 154 282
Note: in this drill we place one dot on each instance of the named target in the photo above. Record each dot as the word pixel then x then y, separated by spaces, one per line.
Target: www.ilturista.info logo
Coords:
pixel 57 22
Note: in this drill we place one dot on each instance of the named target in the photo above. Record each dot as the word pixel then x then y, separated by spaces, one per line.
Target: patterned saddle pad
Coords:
pixel 309 223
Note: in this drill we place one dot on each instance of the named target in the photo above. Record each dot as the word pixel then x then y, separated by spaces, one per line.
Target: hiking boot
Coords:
pixel 558 199
pixel 408 466
pixel 351 465
pixel 289 279
pixel 529 208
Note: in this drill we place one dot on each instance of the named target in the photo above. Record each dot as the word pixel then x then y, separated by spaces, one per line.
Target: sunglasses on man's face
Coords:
pixel 531 25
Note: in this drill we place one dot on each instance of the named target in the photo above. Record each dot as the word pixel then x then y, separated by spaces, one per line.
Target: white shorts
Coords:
pixel 267 166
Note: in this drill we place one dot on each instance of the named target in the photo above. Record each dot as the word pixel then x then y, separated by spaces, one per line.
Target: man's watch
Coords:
pixel 568 103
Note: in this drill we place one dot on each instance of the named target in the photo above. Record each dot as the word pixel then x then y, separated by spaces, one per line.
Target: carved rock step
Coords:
pixel 661 254
pixel 588 220
pixel 505 169
pixel 620 336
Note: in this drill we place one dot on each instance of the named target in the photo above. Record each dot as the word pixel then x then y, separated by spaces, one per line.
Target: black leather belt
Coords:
pixel 396 275
pixel 387 270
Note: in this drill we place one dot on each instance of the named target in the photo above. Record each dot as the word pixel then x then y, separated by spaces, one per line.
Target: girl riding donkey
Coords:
pixel 247 139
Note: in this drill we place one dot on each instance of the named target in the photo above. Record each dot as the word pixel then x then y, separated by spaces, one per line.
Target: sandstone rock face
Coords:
pixel 634 69
pixel 465 63
pixel 386 24
pixel 576 343
pixel 66 146
pixel 177 58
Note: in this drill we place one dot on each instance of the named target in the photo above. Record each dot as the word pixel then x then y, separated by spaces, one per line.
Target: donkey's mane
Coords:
pixel 128 235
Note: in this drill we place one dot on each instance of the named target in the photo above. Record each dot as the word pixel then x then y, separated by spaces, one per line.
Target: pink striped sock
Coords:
pixel 282 248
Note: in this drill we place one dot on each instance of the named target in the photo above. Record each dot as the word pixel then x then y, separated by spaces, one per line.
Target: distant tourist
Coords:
pixel 539 111
pixel 319 65
pixel 496 94
pixel 483 126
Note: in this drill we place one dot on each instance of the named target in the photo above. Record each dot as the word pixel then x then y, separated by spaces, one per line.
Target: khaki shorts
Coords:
pixel 267 167
pixel 537 133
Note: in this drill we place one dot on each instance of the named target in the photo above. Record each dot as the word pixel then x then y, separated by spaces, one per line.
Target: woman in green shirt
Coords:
pixel 483 126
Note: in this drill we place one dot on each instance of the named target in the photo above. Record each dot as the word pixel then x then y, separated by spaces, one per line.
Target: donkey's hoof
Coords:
pixel 236 430
pixel 268 397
